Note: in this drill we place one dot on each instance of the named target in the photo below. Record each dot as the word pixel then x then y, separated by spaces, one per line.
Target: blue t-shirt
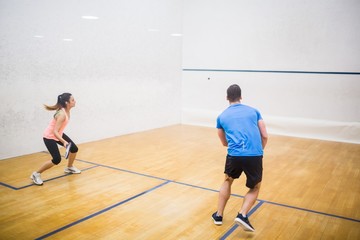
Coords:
pixel 240 123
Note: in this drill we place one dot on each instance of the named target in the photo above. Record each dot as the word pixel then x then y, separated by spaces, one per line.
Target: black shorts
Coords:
pixel 250 165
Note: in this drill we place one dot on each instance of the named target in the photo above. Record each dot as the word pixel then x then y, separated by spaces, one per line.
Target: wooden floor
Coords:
pixel 163 184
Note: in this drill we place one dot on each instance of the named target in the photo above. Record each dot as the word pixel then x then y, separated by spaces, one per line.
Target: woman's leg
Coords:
pixel 53 149
pixel 73 150
pixel 48 164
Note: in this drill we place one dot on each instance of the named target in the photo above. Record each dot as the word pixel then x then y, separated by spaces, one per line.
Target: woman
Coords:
pixel 54 134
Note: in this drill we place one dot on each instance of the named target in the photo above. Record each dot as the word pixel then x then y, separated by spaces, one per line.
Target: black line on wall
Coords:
pixel 268 71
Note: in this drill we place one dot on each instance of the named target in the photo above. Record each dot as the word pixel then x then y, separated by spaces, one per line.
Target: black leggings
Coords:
pixel 53 149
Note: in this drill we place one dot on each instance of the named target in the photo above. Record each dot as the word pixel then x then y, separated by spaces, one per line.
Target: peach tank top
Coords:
pixel 49 131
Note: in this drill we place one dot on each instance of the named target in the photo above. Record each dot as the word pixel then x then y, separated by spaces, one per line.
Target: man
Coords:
pixel 241 129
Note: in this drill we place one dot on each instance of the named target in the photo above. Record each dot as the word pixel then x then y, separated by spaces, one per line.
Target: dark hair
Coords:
pixel 61 102
pixel 234 93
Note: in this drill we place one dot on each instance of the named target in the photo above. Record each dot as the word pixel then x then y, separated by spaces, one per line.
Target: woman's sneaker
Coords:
pixel 72 170
pixel 36 178
pixel 217 219
pixel 244 223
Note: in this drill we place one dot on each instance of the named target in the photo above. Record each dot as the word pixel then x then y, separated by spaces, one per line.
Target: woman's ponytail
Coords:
pixel 61 102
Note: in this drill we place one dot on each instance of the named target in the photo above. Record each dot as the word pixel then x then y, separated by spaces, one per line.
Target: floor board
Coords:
pixel 163 184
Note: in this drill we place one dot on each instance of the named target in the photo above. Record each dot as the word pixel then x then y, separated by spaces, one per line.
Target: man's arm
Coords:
pixel 222 137
pixel 263 133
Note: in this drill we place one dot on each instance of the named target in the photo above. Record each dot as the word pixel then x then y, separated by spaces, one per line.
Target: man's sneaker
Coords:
pixel 217 219
pixel 36 178
pixel 244 223
pixel 72 170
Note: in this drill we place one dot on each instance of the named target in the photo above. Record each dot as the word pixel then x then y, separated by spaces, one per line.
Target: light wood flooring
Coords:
pixel 163 184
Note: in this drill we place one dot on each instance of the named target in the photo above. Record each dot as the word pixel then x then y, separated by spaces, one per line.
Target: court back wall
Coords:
pixel 124 69
pixel 298 62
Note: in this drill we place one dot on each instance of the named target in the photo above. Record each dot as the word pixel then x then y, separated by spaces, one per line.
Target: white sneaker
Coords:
pixel 36 178
pixel 72 170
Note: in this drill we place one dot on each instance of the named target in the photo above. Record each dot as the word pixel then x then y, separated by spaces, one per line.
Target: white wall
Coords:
pixel 125 77
pixel 279 35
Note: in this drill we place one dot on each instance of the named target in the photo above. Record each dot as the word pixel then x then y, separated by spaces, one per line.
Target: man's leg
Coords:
pixel 250 199
pixel 248 202
pixel 224 194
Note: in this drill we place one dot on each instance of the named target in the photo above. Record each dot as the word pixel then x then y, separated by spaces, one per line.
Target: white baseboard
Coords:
pixel 297 127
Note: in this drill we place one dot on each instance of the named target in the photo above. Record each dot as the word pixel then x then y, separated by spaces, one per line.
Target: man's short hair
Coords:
pixel 234 93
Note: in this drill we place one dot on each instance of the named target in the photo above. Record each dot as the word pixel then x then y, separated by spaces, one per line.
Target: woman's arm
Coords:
pixel 60 118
